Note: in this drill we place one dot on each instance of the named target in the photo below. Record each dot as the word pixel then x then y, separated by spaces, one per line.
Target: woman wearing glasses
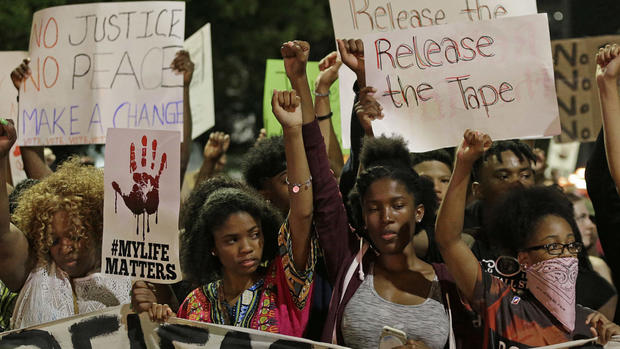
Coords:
pixel 539 227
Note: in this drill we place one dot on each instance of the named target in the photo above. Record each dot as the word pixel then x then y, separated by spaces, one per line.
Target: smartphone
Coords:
pixel 391 337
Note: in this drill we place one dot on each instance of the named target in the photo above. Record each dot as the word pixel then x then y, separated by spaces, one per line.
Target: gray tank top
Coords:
pixel 367 312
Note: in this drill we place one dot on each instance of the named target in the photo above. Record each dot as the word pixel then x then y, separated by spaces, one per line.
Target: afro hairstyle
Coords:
pixel 208 207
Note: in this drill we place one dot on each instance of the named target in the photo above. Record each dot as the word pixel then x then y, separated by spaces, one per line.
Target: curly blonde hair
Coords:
pixel 73 188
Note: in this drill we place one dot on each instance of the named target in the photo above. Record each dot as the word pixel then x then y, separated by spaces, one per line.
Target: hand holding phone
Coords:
pixel 391 337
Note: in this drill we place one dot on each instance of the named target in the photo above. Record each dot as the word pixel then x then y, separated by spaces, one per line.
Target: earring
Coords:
pixel 213 253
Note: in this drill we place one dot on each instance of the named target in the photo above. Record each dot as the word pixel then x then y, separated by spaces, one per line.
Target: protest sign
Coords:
pixel 275 78
pixel 561 159
pixel 99 66
pixel 574 63
pixel 118 327
pixel 201 88
pixel 353 19
pixel 141 205
pixel 18 173
pixel 8 106
pixel 436 82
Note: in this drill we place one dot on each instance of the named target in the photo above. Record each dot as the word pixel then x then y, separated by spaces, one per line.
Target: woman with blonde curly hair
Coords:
pixel 53 252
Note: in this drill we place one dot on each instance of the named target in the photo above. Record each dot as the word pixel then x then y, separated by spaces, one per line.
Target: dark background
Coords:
pixel 247 32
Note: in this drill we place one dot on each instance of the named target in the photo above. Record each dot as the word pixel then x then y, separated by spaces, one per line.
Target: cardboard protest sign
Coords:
pixel 118 327
pixel 201 88
pixel 99 66
pixel 436 82
pixel 355 18
pixel 275 78
pixel 141 205
pixel 574 63
pixel 8 106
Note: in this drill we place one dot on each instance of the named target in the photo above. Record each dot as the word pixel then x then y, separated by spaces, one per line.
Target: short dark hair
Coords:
pixel 440 155
pixel 208 207
pixel 515 217
pixel 520 149
pixel 264 160
pixel 388 157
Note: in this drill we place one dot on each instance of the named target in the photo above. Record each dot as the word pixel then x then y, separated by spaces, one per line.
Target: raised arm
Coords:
pixel 352 54
pixel 34 162
pixel 461 262
pixel 328 67
pixel 214 150
pixel 183 64
pixel 15 263
pixel 285 105
pixel 607 73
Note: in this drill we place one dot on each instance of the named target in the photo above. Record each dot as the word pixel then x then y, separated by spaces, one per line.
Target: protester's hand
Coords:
pixel 216 146
pixel 142 296
pixel 328 67
pixel 413 344
pixel 262 134
pixel 21 73
pixel 601 327
pixel 608 63
pixel 183 64
pixel 295 55
pixel 144 194
pixel 286 108
pixel 473 146
pixel 352 54
pixel 367 108
pixel 160 312
pixel 8 136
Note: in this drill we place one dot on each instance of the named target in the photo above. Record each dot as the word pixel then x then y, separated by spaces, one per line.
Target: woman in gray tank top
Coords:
pixel 390 204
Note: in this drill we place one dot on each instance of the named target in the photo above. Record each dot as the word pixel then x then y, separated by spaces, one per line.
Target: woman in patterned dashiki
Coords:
pixel 251 276
pixel 538 225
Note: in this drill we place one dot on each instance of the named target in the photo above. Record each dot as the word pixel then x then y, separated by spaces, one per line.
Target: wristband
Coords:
pixel 296 187
pixel 325 117
pixel 321 94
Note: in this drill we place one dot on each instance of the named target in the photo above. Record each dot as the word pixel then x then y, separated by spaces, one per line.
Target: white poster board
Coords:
pixel 436 82
pixel 141 205
pixel 201 88
pixel 8 107
pixel 353 19
pixel 99 66
pixel 118 327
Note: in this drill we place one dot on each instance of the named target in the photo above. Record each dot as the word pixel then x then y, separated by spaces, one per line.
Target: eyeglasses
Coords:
pixel 557 248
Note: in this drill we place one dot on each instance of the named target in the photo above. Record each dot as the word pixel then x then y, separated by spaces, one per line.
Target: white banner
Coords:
pixel 8 106
pixel 201 88
pixel 141 205
pixel 493 76
pixel 117 327
pixel 353 19
pixel 99 66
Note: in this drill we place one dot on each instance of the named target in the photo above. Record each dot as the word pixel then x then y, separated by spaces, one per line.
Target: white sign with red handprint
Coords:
pixel 141 205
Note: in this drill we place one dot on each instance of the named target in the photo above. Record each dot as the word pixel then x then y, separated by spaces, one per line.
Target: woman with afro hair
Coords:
pixel 52 254
pixel 378 279
pixel 255 271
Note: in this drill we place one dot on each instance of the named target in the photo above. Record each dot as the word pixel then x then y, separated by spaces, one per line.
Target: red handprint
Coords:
pixel 143 200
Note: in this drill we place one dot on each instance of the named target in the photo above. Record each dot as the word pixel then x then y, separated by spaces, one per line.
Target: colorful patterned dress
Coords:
pixel 279 302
